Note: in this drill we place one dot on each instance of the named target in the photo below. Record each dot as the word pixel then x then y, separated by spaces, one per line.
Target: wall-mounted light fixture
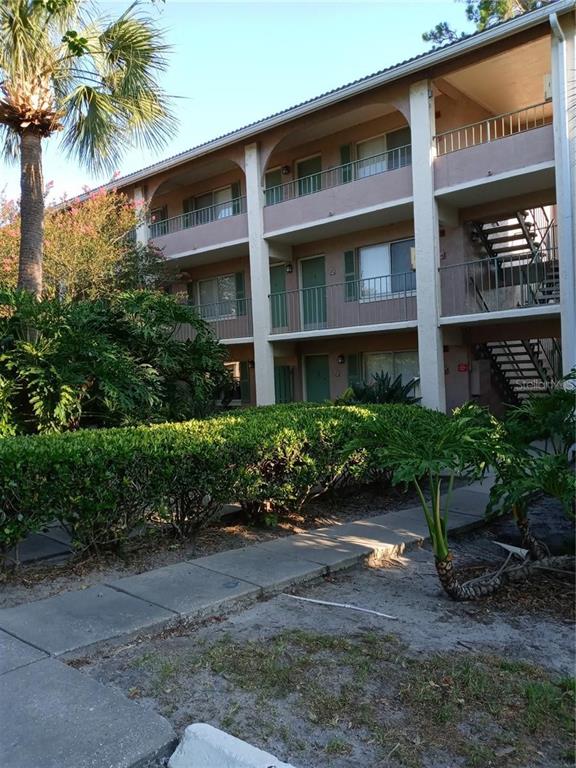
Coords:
pixel 286 170
pixel 341 359
pixel 289 268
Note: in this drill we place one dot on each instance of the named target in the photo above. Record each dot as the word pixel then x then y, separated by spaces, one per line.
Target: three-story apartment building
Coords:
pixel 419 221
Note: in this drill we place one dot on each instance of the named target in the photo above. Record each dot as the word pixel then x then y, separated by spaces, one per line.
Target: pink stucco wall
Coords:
pixel 501 156
pixel 227 230
pixel 356 195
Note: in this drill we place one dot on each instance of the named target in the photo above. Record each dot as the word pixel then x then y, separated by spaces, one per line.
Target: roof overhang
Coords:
pixel 410 68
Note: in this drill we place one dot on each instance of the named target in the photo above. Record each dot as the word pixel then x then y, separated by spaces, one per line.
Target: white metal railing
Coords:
pixel 340 174
pixel 500 283
pixel 494 128
pixel 368 301
pixel 196 218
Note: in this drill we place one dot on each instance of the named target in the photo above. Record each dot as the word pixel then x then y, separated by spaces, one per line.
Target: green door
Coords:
pixel 317 374
pixel 284 383
pixel 278 305
pixel 309 175
pixel 313 276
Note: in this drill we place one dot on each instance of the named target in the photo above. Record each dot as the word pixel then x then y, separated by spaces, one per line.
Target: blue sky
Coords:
pixel 235 62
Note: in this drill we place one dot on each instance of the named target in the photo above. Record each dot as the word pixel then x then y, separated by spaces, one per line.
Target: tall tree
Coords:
pixel 89 252
pixel 483 13
pixel 93 79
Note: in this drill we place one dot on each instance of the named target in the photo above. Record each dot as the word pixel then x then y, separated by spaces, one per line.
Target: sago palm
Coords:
pixel 62 70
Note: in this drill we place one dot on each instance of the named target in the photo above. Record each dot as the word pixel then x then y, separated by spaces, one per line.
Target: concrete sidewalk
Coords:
pixel 53 716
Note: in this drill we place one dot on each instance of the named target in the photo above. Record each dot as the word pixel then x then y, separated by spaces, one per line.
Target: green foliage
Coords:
pixel 93 79
pixel 106 484
pixel 483 14
pixel 524 467
pixel 65 365
pixel 423 444
pixel 549 417
pixel 383 389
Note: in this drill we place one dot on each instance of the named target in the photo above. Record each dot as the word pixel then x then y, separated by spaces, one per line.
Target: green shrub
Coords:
pixel 109 362
pixel 383 389
pixel 292 453
pixel 105 485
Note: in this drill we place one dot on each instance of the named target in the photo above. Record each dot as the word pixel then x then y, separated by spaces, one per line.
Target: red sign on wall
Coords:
pixel 463 367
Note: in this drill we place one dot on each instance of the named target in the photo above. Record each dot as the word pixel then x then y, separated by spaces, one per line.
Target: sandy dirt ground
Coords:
pixel 442 685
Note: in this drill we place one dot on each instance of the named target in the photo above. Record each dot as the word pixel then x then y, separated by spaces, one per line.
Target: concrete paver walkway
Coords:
pixel 53 716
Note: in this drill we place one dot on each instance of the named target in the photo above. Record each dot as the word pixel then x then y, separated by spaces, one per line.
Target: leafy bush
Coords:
pixel 105 485
pixel 65 365
pixel 292 453
pixel 382 389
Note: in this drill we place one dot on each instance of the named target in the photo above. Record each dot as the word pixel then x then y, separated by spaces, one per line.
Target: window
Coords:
pixel 371 157
pixel 385 269
pixel 384 153
pixel 399 149
pixel 217 297
pixel 211 206
pixel 403 364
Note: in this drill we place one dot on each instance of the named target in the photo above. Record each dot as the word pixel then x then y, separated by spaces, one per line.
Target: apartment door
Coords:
pixel 313 282
pixel 278 305
pixel 309 175
pixel 317 378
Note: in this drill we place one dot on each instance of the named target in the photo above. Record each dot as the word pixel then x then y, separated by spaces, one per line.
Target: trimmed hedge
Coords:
pixel 105 485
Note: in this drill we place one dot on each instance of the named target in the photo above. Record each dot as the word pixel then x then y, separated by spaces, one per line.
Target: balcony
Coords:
pixel 340 191
pixel 496 284
pixel 203 229
pixel 230 321
pixel 354 304
pixel 513 144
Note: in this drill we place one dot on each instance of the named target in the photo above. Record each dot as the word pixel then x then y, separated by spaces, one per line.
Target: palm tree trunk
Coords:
pixel 31 213
pixel 454 587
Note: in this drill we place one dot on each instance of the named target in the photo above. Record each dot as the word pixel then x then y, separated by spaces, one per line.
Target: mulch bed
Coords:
pixel 546 593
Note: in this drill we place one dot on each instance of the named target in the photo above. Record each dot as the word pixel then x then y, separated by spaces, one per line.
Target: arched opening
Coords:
pixel 196 194
pixel 339 146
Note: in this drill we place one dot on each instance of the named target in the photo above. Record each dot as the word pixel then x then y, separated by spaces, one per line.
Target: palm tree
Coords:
pixel 92 79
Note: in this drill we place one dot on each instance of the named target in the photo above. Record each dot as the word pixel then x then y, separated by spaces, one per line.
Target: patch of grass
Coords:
pixel 404 709
pixel 338 748
pixel 160 670
pixel 512 699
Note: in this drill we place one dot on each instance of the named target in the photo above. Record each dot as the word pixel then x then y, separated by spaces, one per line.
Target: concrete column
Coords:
pixel 426 235
pixel 142 226
pixel 564 106
pixel 259 278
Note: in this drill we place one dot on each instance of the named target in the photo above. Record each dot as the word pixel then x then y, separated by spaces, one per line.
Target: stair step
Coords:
pixel 504 228
pixel 520 247
pixel 504 237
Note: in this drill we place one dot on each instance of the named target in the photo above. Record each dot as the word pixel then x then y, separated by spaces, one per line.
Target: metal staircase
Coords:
pixel 522 254
pixel 521 250
pixel 522 367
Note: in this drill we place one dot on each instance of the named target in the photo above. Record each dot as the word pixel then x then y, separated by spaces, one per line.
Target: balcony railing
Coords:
pixel 369 301
pixel 494 128
pixel 230 319
pixel 196 218
pixel 341 174
pixel 495 284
